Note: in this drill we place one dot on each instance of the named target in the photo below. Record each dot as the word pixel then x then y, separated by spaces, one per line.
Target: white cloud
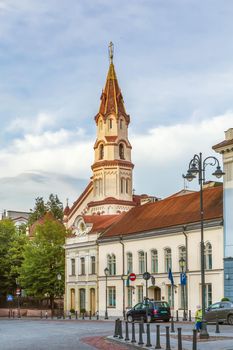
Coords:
pixel 34 124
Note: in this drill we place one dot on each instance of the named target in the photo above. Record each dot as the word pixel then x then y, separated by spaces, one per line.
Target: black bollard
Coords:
pixel 142 322
pixel 158 346
pixel 46 315
pixel 194 339
pixel 90 315
pixel 83 316
pixel 168 346
pixel 184 316
pixel 217 326
pixel 116 328
pixel 63 316
pixel 97 315
pixel 177 316
pixel 41 314
pixel 172 325
pixel 133 333
pixel 126 331
pixel 140 340
pixel 148 341
pixel 190 316
pixel 179 339
pixel 120 329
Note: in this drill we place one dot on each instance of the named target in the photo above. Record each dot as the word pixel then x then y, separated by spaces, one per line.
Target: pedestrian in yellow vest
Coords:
pixel 198 318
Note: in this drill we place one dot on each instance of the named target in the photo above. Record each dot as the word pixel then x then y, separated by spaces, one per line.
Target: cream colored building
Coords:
pixel 115 229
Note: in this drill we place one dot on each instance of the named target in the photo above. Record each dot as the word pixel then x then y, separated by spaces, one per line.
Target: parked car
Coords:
pixel 223 311
pixel 154 310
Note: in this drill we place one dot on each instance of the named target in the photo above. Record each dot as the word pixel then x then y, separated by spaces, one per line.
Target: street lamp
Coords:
pixel 182 265
pixel 106 272
pixel 197 166
pixel 59 292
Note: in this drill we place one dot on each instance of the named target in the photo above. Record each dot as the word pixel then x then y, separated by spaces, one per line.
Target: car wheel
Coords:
pixel 130 318
pixel 230 320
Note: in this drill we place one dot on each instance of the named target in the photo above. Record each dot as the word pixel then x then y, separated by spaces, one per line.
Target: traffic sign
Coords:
pixel 9 297
pixel 183 278
pixel 132 277
pixel 146 276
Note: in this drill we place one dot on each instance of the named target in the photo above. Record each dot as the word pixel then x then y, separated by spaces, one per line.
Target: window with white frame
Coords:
pixel 167 259
pixel 208 294
pixel 82 266
pixel 154 260
pixel 111 264
pixel 72 267
pixel 208 256
pixel 141 262
pixel 129 263
pixel 182 255
pixel 111 296
pixel 140 294
pixel 92 265
pixel 130 296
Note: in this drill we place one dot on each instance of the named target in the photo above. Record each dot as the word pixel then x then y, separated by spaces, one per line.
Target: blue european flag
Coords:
pixel 170 276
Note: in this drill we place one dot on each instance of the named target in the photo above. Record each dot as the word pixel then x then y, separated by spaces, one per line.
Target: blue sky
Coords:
pixel 174 64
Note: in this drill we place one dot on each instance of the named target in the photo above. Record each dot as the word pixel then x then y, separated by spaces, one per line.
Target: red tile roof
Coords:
pixel 41 221
pixel 223 144
pixel 101 222
pixel 172 211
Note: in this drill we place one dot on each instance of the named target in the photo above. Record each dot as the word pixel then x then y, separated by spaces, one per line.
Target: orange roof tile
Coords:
pixel 101 222
pixel 172 211
pixel 223 144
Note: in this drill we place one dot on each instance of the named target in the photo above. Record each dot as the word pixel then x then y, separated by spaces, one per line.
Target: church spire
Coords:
pixel 111 97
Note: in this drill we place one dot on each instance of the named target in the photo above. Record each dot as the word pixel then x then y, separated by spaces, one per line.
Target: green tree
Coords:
pixel 55 206
pixel 38 212
pixel 44 258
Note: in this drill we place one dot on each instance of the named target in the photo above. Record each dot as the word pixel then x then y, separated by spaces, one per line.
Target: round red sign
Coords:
pixel 132 277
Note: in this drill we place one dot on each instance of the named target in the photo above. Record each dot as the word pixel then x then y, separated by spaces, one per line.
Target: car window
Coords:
pixel 138 306
pixel 226 305
pixel 215 306
pixel 161 304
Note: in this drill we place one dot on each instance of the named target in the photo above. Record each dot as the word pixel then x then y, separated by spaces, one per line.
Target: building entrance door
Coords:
pixel 92 301
pixel 157 293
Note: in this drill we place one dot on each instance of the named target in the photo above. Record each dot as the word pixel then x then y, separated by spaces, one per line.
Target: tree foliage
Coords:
pixel 53 205
pixel 44 259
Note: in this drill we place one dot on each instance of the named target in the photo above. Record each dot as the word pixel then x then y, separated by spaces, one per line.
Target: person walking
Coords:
pixel 198 318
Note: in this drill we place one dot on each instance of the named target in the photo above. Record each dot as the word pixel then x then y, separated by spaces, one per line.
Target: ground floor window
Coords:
pixel 111 296
pixel 208 294
pixel 140 293
pixel 130 296
pixel 82 295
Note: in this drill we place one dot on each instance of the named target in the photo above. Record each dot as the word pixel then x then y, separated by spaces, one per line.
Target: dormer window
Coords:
pixel 121 123
pixel 101 151
pixel 100 125
pixel 110 123
pixel 121 151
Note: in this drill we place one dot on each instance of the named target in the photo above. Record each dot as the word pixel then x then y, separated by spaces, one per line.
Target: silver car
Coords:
pixel 223 311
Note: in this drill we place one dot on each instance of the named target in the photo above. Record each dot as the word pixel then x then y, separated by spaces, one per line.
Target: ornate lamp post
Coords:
pixel 59 292
pixel 106 272
pixel 182 263
pixel 197 167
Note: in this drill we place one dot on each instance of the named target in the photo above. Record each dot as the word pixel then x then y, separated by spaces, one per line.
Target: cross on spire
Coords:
pixel 110 51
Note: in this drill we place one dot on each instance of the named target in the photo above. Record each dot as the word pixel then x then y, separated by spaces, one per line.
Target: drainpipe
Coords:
pixel 187 265
pixel 123 273
pixel 97 280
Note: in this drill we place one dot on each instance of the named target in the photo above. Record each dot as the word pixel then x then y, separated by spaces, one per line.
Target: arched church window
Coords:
pixel 121 151
pixel 121 123
pixel 110 123
pixel 122 184
pixel 100 125
pixel 127 185
pixel 101 151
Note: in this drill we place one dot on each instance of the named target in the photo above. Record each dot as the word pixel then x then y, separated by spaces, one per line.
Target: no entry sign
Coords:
pixel 132 277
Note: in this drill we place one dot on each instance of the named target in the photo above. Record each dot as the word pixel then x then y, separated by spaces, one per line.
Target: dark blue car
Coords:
pixel 152 310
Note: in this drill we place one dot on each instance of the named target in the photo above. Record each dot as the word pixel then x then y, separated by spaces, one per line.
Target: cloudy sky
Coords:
pixel 174 64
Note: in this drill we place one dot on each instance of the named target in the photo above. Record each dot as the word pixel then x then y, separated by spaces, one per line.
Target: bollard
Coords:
pixel 190 316
pixel 90 315
pixel 177 316
pixel 140 340
pixel 184 316
pixel 116 328
pixel 13 314
pixel 148 342
pixel 83 317
pixel 168 346
pixel 97 315
pixel 217 326
pixel 120 329
pixel 158 346
pixel 172 325
pixel 46 314
pixel 63 316
pixel 69 315
pixel 41 314
pixel 126 331
pixel 179 339
pixel 76 315
pixel 194 339
pixel 133 333
pixel 142 322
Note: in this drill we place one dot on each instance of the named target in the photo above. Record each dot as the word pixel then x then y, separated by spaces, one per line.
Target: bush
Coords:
pixel 225 299
pixel 82 311
pixel 72 311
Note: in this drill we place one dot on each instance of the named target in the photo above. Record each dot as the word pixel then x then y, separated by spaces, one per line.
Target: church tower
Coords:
pixel 112 167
